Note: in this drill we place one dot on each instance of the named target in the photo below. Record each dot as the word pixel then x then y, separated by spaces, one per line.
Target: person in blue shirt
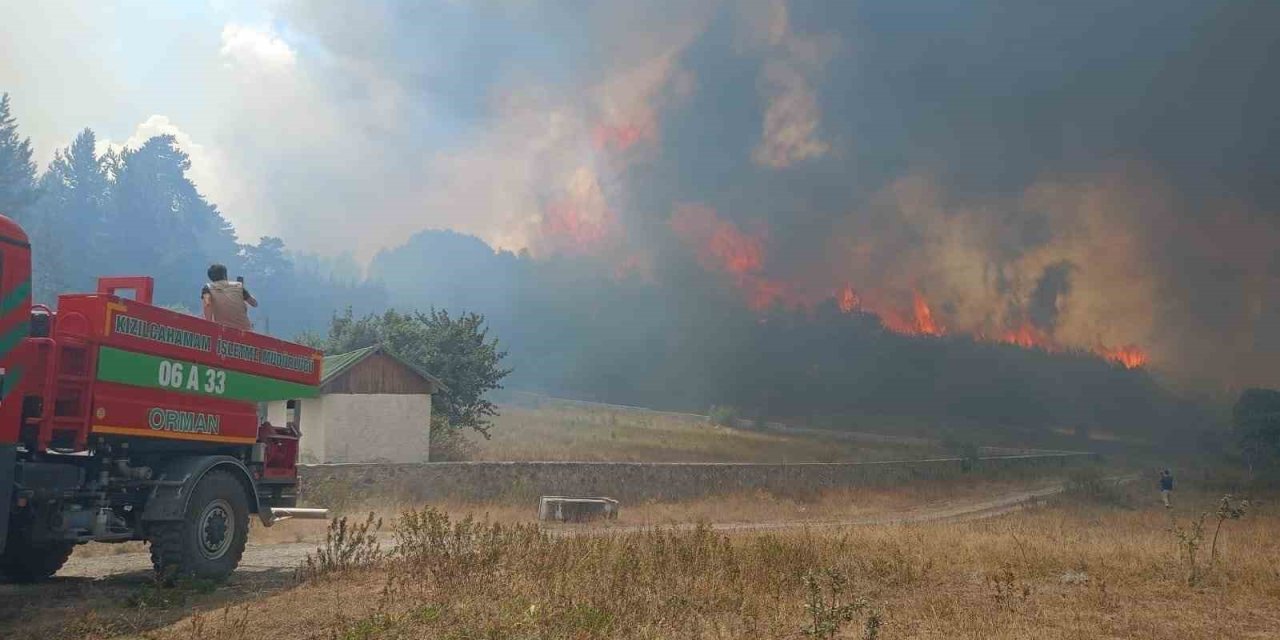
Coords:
pixel 1166 487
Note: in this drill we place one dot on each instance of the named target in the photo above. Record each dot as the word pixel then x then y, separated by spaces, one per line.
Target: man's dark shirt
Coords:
pixel 1166 483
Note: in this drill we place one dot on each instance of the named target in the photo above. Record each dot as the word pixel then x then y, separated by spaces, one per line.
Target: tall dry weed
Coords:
pixel 347 545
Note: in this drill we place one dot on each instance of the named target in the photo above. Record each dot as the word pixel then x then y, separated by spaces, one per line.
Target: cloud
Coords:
pixel 252 47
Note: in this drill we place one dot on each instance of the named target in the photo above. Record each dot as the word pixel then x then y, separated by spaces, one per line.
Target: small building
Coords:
pixel 372 407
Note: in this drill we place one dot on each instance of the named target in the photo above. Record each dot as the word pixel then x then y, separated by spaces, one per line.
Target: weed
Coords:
pixel 370 627
pixel 1229 508
pixel 427 613
pixel 1006 589
pixel 1191 537
pixel 158 595
pixel 346 546
pixel 895 567
pixel 829 610
pixel 593 620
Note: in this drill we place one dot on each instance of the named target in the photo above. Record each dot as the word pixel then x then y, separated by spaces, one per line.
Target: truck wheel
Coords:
pixel 209 541
pixel 26 562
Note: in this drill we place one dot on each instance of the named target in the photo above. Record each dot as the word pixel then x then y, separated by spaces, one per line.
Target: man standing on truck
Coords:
pixel 226 302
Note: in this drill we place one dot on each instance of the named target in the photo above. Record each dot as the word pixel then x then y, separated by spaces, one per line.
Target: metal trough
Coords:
pixel 576 509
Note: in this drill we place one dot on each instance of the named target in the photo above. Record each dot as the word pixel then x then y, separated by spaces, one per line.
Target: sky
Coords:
pixel 308 119
pixel 1107 172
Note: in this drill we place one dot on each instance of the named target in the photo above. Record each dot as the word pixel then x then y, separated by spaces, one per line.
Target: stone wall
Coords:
pixel 640 481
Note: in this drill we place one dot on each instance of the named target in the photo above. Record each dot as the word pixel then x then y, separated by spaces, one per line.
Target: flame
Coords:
pixel 1029 336
pixel 619 137
pixel 1129 356
pixel 847 299
pixel 578 220
pixel 723 247
pixel 572 229
pixel 925 324
pixel 916 321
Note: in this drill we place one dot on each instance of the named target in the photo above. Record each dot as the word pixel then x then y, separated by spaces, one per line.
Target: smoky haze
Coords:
pixel 1069 176
pixel 685 202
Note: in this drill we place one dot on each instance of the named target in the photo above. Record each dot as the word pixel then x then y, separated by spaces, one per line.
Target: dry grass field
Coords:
pixel 1083 566
pixel 742 508
pixel 558 431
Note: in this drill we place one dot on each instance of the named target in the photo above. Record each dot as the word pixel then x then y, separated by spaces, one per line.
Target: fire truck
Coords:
pixel 121 420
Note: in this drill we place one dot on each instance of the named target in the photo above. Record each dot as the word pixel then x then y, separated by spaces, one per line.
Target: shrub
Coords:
pixel 967 450
pixel 449 444
pixel 723 415
pixel 427 539
pixel 1191 537
pixel 829 610
pixel 346 546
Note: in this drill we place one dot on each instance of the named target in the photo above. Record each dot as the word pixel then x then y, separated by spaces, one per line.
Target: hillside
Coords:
pixel 533 427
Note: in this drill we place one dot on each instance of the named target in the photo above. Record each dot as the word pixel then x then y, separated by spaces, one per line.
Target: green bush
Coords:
pixel 723 415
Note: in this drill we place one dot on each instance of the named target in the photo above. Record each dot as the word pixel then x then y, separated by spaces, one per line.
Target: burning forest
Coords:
pixel 758 205
pixel 790 205
pixel 721 247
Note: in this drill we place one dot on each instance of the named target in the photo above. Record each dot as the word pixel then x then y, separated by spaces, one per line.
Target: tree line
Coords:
pixel 91 213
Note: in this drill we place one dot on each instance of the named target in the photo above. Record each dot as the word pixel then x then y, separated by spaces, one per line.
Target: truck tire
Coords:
pixel 26 562
pixel 209 540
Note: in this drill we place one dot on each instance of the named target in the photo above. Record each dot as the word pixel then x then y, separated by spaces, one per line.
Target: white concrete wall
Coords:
pixel 375 427
pixel 362 427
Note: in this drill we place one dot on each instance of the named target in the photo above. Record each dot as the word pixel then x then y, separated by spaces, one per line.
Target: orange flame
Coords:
pixel 1029 336
pixel 925 324
pixel 723 247
pixel 917 321
pixel 1129 356
pixel 847 299
pixel 571 229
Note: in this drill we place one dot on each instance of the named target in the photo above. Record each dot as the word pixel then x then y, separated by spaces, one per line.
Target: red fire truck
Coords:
pixel 121 420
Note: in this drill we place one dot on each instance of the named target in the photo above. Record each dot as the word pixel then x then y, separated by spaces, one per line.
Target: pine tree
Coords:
pixel 68 226
pixel 161 225
pixel 17 169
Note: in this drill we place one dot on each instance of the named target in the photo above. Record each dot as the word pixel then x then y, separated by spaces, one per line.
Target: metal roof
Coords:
pixel 337 364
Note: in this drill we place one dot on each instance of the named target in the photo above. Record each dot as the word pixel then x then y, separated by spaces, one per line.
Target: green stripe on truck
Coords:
pixel 142 370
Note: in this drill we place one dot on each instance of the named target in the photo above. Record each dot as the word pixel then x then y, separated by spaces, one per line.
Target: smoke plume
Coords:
pixel 1069 177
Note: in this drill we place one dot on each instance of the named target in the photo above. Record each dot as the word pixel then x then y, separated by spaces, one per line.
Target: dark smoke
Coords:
pixel 1054 285
pixel 1105 171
